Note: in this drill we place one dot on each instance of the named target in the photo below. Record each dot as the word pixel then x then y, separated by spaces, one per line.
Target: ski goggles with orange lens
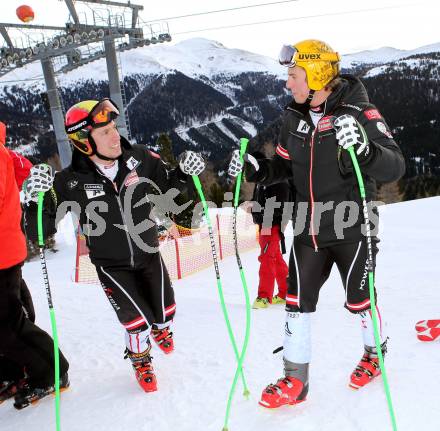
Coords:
pixel 100 115
pixel 103 113
pixel 289 56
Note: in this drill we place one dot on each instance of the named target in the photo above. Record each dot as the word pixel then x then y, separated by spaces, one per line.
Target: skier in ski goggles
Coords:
pixel 100 115
pixel 85 116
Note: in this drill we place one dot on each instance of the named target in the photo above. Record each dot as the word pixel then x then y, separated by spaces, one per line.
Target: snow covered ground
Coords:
pixel 194 381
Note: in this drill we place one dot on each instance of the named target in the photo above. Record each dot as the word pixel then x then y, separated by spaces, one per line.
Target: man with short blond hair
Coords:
pixel 329 113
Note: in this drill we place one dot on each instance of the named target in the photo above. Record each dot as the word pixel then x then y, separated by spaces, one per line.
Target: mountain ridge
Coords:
pixel 237 94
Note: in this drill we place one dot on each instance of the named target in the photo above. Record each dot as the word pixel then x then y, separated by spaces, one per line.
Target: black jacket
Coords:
pixel 312 157
pixel 281 192
pixel 101 203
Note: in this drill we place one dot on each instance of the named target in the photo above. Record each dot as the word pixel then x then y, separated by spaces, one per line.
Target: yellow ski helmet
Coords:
pixel 317 58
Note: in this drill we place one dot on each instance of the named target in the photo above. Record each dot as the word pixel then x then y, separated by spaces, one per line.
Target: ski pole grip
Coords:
pixel 243 145
pixel 40 219
pixel 354 162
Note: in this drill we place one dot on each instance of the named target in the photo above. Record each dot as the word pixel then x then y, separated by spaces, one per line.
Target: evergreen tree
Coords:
pixel 389 193
pixel 165 146
pixel 419 187
pixel 216 193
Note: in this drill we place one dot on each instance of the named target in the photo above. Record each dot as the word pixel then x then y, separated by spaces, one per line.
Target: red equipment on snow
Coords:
pixel 428 330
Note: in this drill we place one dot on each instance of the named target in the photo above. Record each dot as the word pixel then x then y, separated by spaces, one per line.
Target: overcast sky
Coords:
pixel 349 26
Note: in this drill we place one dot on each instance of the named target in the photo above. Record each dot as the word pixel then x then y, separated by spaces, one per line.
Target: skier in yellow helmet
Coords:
pixel 329 113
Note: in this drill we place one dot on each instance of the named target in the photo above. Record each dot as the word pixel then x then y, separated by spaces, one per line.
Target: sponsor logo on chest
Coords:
pixel 303 127
pixel 72 184
pixel 94 190
pixel 132 163
pixel 131 179
pixel 325 124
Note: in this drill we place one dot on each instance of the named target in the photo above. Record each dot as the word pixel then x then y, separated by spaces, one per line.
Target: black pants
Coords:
pixel 21 341
pixel 309 269
pixel 140 296
pixel 11 370
pixel 26 300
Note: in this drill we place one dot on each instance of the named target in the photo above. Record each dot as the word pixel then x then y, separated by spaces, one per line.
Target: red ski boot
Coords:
pixel 164 339
pixel 368 367
pixel 287 390
pixel 145 376
pixel 428 330
pixel 144 371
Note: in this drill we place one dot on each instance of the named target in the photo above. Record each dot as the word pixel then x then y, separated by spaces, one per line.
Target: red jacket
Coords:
pixel 2 133
pixel 22 167
pixel 12 241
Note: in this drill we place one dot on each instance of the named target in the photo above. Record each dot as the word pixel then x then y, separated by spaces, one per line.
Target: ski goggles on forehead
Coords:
pixel 286 56
pixel 103 113
pixel 289 56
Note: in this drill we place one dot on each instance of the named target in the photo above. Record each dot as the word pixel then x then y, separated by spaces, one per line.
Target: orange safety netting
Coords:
pixel 185 251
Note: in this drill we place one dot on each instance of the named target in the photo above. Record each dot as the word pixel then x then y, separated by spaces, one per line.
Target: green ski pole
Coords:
pixel 51 310
pixel 371 286
pixel 198 186
pixel 243 144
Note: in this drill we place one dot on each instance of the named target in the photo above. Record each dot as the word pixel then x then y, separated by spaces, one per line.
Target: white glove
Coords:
pixel 349 132
pixel 40 180
pixel 236 165
pixel 191 163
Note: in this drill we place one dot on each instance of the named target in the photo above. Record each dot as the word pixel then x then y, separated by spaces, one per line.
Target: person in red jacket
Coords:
pixel 10 211
pixel 269 220
pixel 12 373
pixel 21 341
pixel 22 166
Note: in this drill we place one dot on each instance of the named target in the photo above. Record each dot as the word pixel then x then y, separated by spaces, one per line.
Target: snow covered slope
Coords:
pixel 194 381
pixel 197 57
pixel 192 57
pixel 384 55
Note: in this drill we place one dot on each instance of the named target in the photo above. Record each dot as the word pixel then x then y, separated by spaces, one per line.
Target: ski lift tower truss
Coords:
pixel 102 29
